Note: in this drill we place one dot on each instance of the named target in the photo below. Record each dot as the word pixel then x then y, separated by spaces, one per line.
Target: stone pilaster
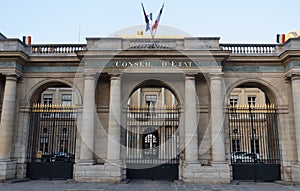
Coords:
pixel 7 167
pixel 296 103
pixel 88 118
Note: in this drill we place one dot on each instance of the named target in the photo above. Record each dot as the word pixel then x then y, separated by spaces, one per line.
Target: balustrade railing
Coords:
pixel 233 48
pixel 57 48
pixel 249 48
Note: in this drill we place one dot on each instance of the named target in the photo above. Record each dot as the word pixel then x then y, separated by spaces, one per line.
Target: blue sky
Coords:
pixel 235 21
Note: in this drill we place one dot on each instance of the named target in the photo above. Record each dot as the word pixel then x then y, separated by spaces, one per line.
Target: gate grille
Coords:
pixel 152 142
pixel 52 136
pixel 254 140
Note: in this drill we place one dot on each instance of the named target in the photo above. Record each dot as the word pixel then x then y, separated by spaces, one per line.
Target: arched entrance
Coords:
pixel 253 133
pixel 152 135
pixel 52 132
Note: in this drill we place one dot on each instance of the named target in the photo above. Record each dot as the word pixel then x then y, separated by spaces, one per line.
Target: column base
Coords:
pixel 194 172
pixel 296 172
pixel 7 170
pixel 107 172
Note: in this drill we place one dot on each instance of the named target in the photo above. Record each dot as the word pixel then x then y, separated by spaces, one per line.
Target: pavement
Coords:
pixel 143 185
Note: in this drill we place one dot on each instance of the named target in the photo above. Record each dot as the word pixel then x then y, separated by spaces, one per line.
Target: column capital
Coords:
pixel 190 76
pixel 293 74
pixel 12 73
pixel 11 77
pixel 216 76
pixel 115 76
pixel 89 75
pixel 294 77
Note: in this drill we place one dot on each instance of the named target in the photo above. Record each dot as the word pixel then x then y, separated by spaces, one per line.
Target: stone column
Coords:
pixel 217 118
pixel 7 166
pixel 114 128
pixel 7 117
pixel 190 120
pixel 296 103
pixel 88 117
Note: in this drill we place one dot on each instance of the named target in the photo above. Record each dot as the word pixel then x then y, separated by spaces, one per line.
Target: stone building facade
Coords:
pixel 182 122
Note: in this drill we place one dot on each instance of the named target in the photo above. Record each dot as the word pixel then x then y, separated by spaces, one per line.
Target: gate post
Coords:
pixel 296 102
pixel 7 166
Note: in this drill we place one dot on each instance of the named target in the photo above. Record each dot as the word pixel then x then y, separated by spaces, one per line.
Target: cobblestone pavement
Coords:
pixel 45 185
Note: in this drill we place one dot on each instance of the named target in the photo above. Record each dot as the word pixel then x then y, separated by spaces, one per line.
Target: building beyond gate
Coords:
pixel 118 108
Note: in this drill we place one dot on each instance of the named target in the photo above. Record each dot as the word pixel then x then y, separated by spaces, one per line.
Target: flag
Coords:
pixel 150 16
pixel 146 19
pixel 280 38
pixel 158 18
pixel 27 40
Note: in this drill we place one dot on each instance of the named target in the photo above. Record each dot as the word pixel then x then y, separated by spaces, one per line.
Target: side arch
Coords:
pixel 270 91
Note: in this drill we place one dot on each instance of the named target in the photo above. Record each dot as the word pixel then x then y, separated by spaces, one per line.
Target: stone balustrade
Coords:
pixel 57 48
pixel 249 48
pixel 233 48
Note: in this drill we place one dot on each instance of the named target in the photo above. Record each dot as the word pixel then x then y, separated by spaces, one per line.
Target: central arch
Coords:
pixel 152 131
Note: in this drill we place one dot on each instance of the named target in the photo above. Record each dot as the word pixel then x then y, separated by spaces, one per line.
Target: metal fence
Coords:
pixel 52 133
pixel 152 134
pixel 253 134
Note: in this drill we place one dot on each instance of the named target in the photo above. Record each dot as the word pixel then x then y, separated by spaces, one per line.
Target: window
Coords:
pixel 233 100
pixel 236 146
pixel 254 145
pixel 44 145
pixel 47 99
pixel 150 99
pixel 44 141
pixel 66 99
pixel 251 100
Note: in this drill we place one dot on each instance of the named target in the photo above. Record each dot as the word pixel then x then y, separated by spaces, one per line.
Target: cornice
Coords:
pixel 18 56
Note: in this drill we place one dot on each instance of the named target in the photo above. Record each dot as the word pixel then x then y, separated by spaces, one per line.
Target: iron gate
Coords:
pixel 254 147
pixel 51 145
pixel 152 142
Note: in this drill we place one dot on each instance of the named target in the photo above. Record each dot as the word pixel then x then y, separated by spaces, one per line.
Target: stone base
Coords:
pixel 215 173
pixel 21 169
pixel 7 170
pixel 89 172
pixel 296 173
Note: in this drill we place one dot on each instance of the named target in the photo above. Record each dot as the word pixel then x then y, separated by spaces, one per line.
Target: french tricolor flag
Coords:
pixel 154 26
pixel 280 38
pixel 146 19
pixel 27 40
